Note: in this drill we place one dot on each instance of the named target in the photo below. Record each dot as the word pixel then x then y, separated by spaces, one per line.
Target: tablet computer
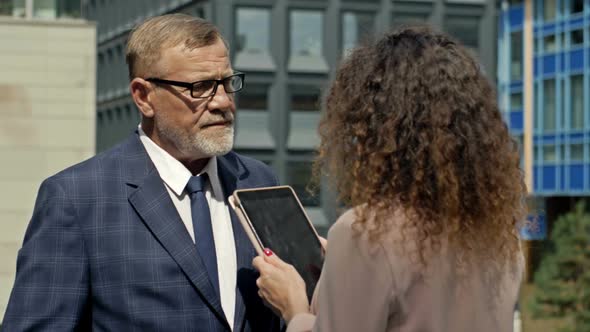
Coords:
pixel 274 218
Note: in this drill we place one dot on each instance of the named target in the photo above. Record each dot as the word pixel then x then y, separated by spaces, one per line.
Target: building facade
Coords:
pixel 47 102
pixel 560 111
pixel 561 91
pixel 288 50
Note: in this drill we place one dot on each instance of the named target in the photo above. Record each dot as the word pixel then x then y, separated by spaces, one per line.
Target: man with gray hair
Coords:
pixel 140 237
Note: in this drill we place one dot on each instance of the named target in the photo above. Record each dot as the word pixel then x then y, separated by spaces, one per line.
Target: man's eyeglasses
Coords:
pixel 207 88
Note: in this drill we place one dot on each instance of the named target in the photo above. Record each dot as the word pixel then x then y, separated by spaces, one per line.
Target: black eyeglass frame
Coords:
pixel 191 85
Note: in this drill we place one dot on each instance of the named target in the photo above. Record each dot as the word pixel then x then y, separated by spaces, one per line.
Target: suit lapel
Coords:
pixel 230 178
pixel 152 202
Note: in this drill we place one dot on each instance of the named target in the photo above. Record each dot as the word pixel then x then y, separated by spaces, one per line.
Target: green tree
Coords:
pixel 563 278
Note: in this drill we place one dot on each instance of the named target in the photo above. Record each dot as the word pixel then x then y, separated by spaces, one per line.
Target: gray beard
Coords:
pixel 201 144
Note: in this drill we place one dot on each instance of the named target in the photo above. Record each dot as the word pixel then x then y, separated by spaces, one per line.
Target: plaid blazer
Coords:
pixel 106 250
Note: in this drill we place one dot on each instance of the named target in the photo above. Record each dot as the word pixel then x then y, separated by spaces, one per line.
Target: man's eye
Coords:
pixel 203 87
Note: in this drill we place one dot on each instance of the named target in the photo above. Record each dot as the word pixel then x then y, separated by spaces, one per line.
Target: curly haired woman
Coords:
pixel 412 138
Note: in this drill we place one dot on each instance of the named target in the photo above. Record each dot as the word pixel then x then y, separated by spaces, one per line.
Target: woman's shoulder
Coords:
pixel 345 235
pixel 343 227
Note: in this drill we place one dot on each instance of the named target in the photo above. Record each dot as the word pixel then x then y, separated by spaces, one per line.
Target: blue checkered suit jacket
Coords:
pixel 106 250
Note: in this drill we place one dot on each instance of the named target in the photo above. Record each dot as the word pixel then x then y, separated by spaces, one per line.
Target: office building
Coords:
pixel 288 50
pixel 47 102
pixel 560 90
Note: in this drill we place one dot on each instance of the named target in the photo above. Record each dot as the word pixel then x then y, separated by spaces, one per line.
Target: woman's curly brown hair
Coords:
pixel 411 122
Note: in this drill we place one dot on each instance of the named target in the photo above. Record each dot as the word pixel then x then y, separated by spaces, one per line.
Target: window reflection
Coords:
pixel 549 105
pixel 577 152
pixel 306 32
pixel 549 43
pixel 516 56
pixel 549 153
pixel 305 98
pixel 69 8
pixel 355 27
pixel 253 30
pixel 577 6
pixel 253 97
pixel 516 101
pixel 577 102
pixel 46 9
pixel 400 18
pixel 465 29
pixel 300 174
pixel 549 9
pixel 577 37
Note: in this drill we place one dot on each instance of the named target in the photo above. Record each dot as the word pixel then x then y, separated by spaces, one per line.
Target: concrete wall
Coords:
pixel 47 118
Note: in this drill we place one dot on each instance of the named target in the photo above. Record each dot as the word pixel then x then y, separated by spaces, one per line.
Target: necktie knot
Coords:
pixel 196 183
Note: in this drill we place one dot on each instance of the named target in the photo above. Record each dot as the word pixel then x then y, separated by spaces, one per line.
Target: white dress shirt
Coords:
pixel 175 176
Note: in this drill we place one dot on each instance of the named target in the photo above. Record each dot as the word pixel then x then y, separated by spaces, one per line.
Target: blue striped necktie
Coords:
pixel 202 226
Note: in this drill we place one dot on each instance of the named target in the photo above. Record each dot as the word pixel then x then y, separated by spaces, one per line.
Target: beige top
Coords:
pixel 379 289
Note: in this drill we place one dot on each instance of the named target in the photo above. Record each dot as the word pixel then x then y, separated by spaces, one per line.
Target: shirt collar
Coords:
pixel 173 172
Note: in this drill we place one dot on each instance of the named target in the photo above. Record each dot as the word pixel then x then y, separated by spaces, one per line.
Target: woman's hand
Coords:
pixel 281 285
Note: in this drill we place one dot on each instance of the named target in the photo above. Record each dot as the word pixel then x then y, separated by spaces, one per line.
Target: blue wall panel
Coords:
pixel 537 178
pixel 516 16
pixel 577 23
pixel 576 176
pixel 549 64
pixel 577 59
pixel 549 28
pixel 562 184
pixel 516 121
pixel 561 61
pixel 549 178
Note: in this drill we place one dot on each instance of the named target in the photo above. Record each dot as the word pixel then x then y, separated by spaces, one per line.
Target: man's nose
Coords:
pixel 221 100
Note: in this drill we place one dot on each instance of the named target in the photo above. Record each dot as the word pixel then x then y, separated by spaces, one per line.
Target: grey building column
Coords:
pixel 279 103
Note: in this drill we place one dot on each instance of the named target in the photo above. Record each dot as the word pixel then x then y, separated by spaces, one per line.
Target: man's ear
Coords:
pixel 140 92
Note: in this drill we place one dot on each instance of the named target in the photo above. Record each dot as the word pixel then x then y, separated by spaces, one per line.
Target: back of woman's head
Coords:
pixel 411 122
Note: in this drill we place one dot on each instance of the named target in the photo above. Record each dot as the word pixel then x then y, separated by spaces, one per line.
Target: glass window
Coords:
pixel 253 97
pixel 549 105
pixel 562 113
pixel 402 18
pixel 561 42
pixel 549 153
pixel 306 32
pixel 549 8
pixel 516 101
pixel 561 152
pixel 516 56
pixel 577 37
pixel 305 98
pixel 44 8
pixel 577 152
pixel 253 30
pixel 577 102
pixel 465 29
pixel 17 7
pixel 549 43
pixel 300 174
pixel 69 8
pixel 355 27
pixel 536 107
pixel 577 6
pixel 6 7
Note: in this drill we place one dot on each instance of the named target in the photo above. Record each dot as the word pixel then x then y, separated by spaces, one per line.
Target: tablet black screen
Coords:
pixel 281 225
